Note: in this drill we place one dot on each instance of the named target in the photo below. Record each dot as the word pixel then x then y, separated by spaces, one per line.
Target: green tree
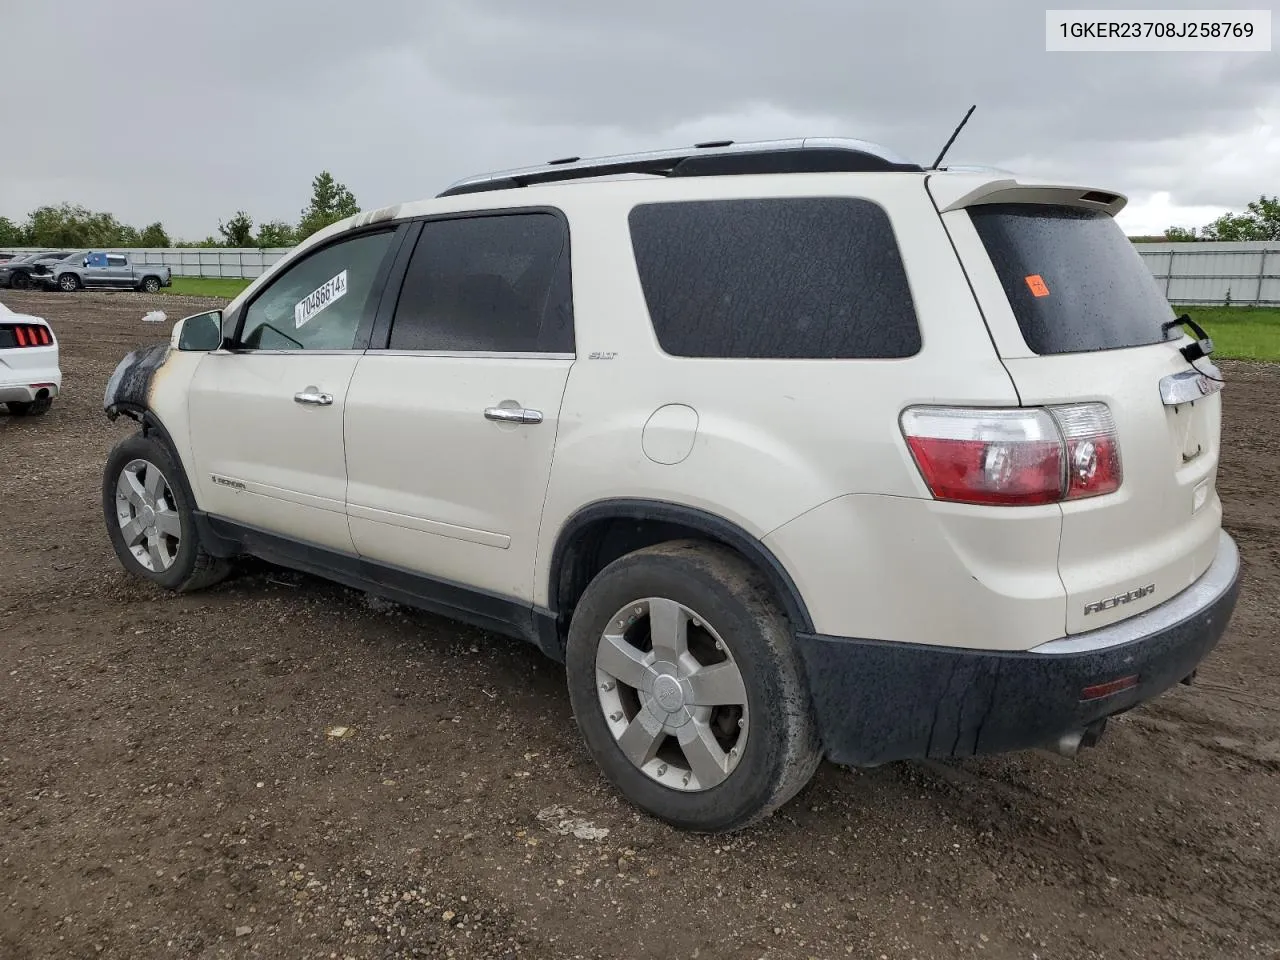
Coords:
pixel 154 235
pixel 11 235
pixel 331 201
pixel 72 225
pixel 1260 221
pixel 238 231
pixel 1180 234
pixel 275 233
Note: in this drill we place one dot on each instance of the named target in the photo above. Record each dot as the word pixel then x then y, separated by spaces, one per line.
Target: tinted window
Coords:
pixel 318 303
pixel 115 261
pixel 1073 278
pixel 497 283
pixel 781 278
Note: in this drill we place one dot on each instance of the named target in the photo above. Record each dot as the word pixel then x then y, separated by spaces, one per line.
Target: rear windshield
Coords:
pixel 775 278
pixel 1074 280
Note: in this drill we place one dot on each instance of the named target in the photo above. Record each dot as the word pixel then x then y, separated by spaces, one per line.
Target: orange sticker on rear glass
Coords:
pixel 1037 285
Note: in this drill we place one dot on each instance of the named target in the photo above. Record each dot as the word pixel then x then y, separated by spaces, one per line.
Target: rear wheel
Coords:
pixel 150 521
pixel 687 686
pixel 151 284
pixel 68 283
pixel 20 281
pixel 30 408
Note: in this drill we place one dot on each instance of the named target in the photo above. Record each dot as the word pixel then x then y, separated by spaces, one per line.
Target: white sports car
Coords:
pixel 29 373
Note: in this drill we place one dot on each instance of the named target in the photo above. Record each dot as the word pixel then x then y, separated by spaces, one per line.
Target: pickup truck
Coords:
pixel 108 270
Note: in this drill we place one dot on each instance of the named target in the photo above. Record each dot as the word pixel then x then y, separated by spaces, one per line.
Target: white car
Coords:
pixel 30 377
pixel 786 449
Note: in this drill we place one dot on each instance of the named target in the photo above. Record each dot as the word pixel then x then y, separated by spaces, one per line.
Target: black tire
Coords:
pixel 193 568
pixel 69 283
pixel 150 285
pixel 781 750
pixel 20 281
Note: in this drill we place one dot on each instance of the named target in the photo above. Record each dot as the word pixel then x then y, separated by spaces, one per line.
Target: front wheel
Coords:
pixel 68 283
pixel 20 281
pixel 151 284
pixel 688 688
pixel 150 521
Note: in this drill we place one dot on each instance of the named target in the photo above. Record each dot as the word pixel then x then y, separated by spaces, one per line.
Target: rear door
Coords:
pixel 1077 316
pixel 451 427
pixel 119 273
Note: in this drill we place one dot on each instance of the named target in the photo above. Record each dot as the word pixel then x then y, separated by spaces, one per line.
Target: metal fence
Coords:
pixel 1191 273
pixel 240 263
pixel 1243 274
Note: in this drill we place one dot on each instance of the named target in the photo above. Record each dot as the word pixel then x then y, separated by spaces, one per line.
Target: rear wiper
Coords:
pixel 1192 351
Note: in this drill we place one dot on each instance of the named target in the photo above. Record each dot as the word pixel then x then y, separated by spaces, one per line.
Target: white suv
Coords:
pixel 786 449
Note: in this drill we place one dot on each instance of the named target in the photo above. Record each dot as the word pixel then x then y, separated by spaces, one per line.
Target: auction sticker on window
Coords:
pixel 331 290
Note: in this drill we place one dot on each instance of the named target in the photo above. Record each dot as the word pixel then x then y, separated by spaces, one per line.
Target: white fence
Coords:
pixel 1190 273
pixel 237 262
pixel 1216 273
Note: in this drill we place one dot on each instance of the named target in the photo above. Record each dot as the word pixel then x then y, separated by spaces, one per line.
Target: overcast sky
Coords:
pixel 185 112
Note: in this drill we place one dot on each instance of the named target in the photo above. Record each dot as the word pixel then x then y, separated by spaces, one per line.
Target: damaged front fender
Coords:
pixel 130 386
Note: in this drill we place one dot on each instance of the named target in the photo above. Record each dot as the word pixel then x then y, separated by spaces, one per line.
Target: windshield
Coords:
pixel 1074 280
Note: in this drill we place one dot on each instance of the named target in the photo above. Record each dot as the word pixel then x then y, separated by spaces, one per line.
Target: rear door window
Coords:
pixel 488 284
pixel 1074 280
pixel 781 278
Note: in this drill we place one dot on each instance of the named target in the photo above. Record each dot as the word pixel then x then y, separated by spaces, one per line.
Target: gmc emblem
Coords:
pixel 1135 594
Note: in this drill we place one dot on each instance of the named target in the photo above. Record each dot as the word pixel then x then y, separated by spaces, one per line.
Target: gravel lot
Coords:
pixel 169 786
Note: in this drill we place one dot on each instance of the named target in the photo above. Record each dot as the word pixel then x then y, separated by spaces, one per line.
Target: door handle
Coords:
pixel 513 415
pixel 312 395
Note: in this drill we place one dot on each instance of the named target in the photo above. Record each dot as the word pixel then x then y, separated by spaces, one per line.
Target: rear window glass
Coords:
pixel 1074 280
pixel 788 278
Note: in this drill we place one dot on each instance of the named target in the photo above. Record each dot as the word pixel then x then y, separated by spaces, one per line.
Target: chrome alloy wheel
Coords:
pixel 148 515
pixel 673 697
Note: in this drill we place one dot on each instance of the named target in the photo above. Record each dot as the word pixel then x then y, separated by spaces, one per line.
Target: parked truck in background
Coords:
pixel 115 271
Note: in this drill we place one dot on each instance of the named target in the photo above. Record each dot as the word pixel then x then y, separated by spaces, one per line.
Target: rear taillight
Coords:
pixel 1014 457
pixel 25 335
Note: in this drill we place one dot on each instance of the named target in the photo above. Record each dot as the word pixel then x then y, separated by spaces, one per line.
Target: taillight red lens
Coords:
pixel 1014 457
pixel 20 334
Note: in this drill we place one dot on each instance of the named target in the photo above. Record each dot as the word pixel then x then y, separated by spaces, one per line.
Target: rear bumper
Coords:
pixel 879 701
pixel 25 384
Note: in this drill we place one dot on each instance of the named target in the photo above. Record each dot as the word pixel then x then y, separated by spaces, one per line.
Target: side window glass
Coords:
pixel 97 260
pixel 318 303
pixel 115 261
pixel 488 284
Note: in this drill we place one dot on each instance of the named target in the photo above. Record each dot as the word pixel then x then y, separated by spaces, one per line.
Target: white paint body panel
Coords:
pixel 435 487
pixel 287 457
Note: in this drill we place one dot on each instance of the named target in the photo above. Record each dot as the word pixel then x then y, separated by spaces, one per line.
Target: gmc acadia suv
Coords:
pixel 787 450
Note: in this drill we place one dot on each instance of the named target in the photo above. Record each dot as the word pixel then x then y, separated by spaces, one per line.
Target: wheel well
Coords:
pixel 597 537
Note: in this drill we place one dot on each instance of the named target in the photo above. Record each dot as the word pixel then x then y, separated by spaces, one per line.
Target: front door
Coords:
pixel 266 416
pixel 450 429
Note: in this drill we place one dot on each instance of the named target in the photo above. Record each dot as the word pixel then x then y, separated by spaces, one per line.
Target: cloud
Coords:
pixel 187 112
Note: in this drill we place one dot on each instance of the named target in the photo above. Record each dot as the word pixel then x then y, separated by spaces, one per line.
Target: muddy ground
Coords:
pixel 168 787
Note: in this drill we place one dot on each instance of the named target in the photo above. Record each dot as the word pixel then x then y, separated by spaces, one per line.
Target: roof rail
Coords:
pixel 715 158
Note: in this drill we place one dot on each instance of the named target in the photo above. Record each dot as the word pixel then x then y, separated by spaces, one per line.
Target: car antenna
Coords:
pixel 954 134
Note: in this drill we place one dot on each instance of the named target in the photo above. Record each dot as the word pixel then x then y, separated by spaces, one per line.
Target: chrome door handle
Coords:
pixel 313 396
pixel 513 415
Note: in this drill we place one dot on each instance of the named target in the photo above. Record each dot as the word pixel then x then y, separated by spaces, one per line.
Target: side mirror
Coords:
pixel 84 262
pixel 202 332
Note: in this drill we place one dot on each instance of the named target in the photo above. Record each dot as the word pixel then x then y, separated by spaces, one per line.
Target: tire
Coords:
pixel 176 562
pixel 30 408
pixel 766 749
pixel 69 283
pixel 20 281
pixel 150 284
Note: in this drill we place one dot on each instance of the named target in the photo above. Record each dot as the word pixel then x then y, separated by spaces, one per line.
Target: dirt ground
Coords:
pixel 168 787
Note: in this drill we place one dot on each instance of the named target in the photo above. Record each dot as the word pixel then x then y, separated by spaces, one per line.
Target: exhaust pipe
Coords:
pixel 1070 744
